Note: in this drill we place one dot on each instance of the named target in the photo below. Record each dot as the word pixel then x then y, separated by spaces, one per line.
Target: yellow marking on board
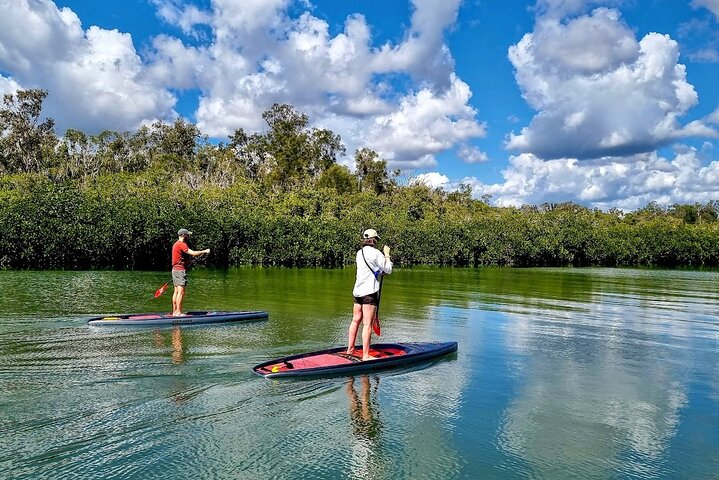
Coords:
pixel 111 318
pixel 275 369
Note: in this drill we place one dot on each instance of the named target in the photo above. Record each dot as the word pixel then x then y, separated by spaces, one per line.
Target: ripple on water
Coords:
pixel 579 373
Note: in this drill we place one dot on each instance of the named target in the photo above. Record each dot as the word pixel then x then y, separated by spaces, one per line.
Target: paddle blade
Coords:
pixel 376 326
pixel 161 290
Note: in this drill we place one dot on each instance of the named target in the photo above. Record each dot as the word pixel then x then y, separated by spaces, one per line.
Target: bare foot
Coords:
pixel 178 315
pixel 368 357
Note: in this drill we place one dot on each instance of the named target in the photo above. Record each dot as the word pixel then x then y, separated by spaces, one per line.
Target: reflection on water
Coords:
pixel 592 416
pixel 178 347
pixel 363 409
pixel 366 426
pixel 576 373
pixel 608 368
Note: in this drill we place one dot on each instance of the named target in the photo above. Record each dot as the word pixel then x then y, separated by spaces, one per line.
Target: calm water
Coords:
pixel 560 373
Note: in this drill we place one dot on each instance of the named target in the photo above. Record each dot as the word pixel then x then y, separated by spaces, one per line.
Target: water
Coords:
pixel 560 373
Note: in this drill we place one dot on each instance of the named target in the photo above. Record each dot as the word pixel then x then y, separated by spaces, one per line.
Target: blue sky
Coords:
pixel 608 103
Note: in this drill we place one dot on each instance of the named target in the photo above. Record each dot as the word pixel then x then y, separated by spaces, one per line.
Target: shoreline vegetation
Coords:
pixel 116 200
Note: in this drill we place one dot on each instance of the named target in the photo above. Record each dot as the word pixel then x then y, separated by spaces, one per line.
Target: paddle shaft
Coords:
pixel 379 296
pixel 375 321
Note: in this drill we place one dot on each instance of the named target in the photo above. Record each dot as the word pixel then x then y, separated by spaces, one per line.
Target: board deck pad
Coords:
pixel 330 359
pixel 337 361
pixel 191 318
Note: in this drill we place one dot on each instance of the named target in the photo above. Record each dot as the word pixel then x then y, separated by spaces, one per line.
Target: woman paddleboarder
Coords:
pixel 371 264
pixel 181 254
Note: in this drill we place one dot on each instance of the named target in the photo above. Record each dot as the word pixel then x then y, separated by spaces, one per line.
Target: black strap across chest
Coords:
pixel 376 274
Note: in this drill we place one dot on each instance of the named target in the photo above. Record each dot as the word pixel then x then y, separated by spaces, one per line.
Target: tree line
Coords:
pixel 279 197
pixel 289 154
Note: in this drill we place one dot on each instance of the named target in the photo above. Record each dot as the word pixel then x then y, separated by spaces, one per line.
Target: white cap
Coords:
pixel 370 233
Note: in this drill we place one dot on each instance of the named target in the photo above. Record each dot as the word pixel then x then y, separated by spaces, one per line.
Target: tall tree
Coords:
pixel 325 147
pixel 113 150
pixel 293 152
pixel 250 153
pixel 372 171
pixel 25 140
pixel 81 154
pixel 287 144
pixel 339 178
pixel 181 139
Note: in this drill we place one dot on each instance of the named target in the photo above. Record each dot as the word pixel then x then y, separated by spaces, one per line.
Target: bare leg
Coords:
pixel 368 312
pixel 177 296
pixel 180 296
pixel 354 326
pixel 175 293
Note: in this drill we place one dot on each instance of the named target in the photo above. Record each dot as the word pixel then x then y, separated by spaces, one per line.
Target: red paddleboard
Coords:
pixel 336 362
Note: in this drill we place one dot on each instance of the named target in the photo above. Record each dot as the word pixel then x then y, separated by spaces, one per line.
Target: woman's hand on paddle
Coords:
pixel 206 251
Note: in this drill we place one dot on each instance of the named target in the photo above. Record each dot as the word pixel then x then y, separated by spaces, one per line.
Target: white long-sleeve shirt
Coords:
pixel 366 283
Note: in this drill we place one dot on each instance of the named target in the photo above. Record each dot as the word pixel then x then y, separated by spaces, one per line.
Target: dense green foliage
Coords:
pixel 116 199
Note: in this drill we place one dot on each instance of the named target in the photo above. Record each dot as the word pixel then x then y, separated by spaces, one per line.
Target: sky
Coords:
pixel 606 103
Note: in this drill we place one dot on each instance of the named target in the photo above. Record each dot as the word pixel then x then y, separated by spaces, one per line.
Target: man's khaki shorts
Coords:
pixel 179 278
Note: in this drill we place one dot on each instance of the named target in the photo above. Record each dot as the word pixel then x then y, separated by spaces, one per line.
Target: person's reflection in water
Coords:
pixel 178 352
pixel 178 348
pixel 364 409
pixel 159 341
pixel 366 427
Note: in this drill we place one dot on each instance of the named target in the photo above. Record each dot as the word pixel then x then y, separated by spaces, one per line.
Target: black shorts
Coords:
pixel 371 299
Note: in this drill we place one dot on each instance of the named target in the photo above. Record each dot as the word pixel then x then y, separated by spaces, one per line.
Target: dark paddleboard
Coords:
pixel 336 362
pixel 192 318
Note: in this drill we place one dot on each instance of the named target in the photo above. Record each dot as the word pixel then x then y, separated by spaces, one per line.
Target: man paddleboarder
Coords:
pixel 181 254
pixel 371 265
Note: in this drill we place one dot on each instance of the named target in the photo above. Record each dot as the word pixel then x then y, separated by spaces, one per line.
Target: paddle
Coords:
pixel 375 321
pixel 162 289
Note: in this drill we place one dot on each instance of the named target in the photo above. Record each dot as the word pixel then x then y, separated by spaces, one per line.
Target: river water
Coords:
pixel 560 373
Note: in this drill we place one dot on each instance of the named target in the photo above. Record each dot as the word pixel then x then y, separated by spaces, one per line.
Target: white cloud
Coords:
pixel 431 179
pixel 342 82
pixel 94 77
pixel 574 74
pixel 423 54
pixel 255 54
pixel 712 5
pixel 182 15
pixel 699 40
pixel 425 123
pixel 705 55
pixel 627 183
pixel 175 65
pixel 472 154
pixel 714 117
pixel 8 85
pixel 54 34
pixel 565 8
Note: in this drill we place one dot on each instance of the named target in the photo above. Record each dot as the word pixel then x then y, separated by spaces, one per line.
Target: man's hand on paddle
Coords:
pixel 386 250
